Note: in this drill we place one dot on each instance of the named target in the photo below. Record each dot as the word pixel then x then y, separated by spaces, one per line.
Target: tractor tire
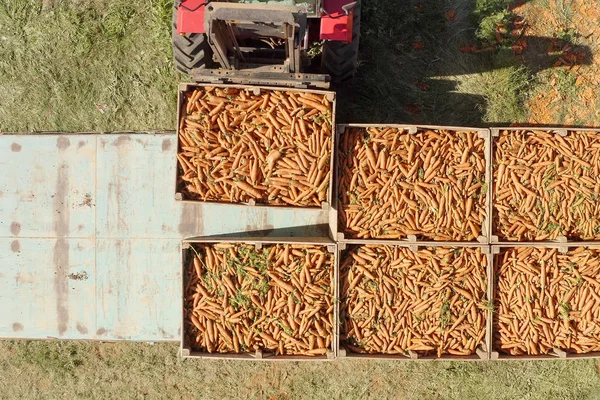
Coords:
pixel 340 59
pixel 190 51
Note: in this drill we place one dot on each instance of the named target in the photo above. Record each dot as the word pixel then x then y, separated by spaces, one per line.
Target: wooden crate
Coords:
pixel 495 133
pixel 482 352
pixel 188 352
pixel 556 353
pixel 412 129
pixel 185 87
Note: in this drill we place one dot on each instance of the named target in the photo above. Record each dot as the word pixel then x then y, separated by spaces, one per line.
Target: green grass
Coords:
pixel 485 8
pixel 564 82
pixel 79 66
pixel 568 89
pixel 128 370
pixel 504 91
pixel 110 67
pixel 436 83
pixel 564 13
pixel 489 14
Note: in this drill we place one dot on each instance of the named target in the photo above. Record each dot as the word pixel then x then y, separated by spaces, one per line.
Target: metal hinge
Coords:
pixel 261 78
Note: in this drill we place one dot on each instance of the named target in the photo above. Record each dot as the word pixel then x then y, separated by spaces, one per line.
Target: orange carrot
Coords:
pixel 237 135
pixel 231 312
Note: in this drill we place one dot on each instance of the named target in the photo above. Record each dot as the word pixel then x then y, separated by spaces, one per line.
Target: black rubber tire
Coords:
pixel 340 59
pixel 190 51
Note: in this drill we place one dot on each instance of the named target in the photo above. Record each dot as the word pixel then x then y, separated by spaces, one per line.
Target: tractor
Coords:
pixel 302 43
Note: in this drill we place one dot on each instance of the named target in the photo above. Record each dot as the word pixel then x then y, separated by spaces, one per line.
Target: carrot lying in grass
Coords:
pixel 278 299
pixel 546 300
pixel 546 185
pixel 236 145
pixel 432 302
pixel 393 184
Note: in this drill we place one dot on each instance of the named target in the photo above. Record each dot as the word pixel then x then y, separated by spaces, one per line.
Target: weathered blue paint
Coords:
pixel 32 304
pixel 33 180
pixel 142 300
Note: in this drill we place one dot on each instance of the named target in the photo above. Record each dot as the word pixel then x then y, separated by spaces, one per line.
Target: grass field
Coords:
pixel 85 370
pixel 86 66
pixel 105 65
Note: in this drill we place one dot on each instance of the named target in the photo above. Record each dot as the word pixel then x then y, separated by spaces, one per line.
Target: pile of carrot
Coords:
pixel 273 147
pixel 431 302
pixel 546 185
pixel 547 300
pixel 278 299
pixel 393 184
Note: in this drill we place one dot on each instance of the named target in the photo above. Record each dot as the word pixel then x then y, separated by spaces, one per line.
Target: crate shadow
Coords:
pixel 418 64
pixel 307 231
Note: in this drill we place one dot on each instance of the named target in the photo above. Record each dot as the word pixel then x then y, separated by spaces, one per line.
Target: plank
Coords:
pixel 138 289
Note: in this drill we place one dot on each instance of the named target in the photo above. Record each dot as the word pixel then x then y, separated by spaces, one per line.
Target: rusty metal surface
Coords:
pixel 90 235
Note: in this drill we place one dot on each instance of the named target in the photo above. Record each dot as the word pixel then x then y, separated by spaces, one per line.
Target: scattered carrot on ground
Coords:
pixel 546 185
pixel 547 300
pixel 277 299
pixel 393 183
pixel 432 302
pixel 273 147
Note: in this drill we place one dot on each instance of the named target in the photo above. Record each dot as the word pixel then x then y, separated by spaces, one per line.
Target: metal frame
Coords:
pixel 224 22
pixel 187 352
pixel 221 20
pixel 262 78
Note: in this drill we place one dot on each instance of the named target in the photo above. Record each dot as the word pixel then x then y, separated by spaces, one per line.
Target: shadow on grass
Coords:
pixel 431 62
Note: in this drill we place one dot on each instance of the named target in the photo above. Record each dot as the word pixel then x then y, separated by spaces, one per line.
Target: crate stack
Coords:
pixel 545 232
pixel 445 242
pixel 412 227
pixel 257 298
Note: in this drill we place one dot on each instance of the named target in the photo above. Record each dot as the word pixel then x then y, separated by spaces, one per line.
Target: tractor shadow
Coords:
pixel 421 63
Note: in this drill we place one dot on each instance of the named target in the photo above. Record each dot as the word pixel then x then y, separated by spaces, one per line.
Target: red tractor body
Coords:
pixel 190 17
pixel 335 23
pixel 267 36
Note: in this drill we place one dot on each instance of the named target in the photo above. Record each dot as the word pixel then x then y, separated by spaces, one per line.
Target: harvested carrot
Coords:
pixel 432 302
pixel 430 184
pixel 546 186
pixel 278 299
pixel 546 300
pixel 236 145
